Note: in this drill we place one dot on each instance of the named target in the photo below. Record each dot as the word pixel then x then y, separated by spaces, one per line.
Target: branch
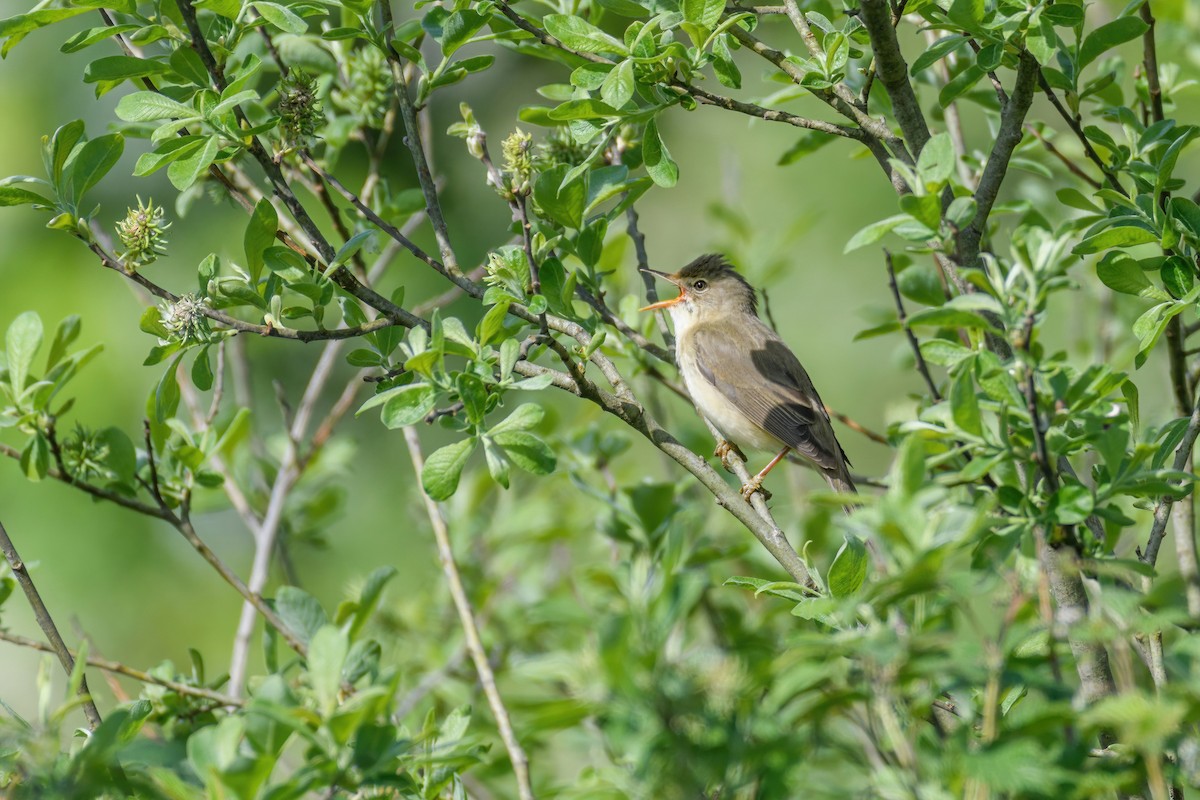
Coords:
pixel 46 623
pixel 95 491
pixel 1162 511
pixel 844 105
pixel 876 16
pixel 129 672
pixel 922 367
pixel 466 616
pixel 768 114
pixel 396 316
pixel 1012 118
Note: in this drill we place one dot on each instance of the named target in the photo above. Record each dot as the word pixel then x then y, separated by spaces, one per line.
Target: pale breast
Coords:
pixel 711 403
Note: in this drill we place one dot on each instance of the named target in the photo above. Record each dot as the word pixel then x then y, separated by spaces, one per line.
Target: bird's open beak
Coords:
pixel 664 303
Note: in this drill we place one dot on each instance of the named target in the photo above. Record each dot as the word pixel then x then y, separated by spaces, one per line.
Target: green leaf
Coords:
pixel 946 317
pixel 524 418
pixel 121 457
pixel 119 68
pixel 497 463
pixel 924 208
pixel 300 612
pixel 526 451
pixel 808 143
pixel 16 196
pixel 585 108
pixel 14 29
pixel 936 52
pixel 458 28
pixel 937 161
pixel 66 333
pixel 578 34
pixel 165 153
pixel 184 171
pixel 327 653
pixel 1177 275
pixel 960 84
pixel 1125 275
pixel 150 106
pixel 1071 504
pixel 659 164
pixel 849 568
pixel 166 393
pixel 966 13
pixel 473 394
pixel 35 457
pixel 202 375
pixel 444 467
pixel 93 162
pixel 406 405
pixel 703 12
pixel 617 89
pixel 21 343
pixel 562 204
pixel 259 235
pixel 281 17
pixel 874 232
pixel 1123 236
pixel 964 403
pixel 1108 36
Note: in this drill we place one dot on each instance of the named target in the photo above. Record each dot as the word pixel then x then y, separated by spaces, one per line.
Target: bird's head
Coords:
pixel 708 286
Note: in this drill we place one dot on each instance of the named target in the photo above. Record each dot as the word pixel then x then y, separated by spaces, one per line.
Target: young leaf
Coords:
pixel 526 451
pixel 21 344
pixel 578 34
pixel 407 406
pixel 444 467
pixel 936 163
pixel 659 164
pixel 260 234
pixel 1108 36
pixel 94 161
pixel 849 568
pixel 300 612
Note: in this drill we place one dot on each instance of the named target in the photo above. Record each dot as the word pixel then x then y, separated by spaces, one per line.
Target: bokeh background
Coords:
pixel 142 594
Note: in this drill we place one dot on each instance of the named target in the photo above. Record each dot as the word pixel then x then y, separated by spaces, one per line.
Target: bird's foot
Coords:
pixel 725 447
pixel 754 485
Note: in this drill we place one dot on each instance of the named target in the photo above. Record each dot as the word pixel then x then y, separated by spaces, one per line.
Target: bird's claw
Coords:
pixel 754 485
pixel 725 447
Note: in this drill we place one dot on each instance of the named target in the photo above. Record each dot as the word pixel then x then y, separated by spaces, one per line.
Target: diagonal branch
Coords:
pixel 46 623
pixel 466 616
pixel 129 672
pixel 893 71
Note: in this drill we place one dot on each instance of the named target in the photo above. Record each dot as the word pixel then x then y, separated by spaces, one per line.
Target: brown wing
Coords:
pixel 775 391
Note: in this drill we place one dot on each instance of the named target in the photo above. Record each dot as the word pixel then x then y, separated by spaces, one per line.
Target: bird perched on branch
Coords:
pixel 743 378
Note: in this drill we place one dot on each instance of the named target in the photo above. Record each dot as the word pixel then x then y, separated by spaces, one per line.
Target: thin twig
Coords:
pixel 922 367
pixel 129 672
pixel 46 623
pixel 466 616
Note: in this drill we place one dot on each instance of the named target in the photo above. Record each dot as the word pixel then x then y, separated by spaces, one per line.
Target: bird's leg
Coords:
pixel 724 448
pixel 755 484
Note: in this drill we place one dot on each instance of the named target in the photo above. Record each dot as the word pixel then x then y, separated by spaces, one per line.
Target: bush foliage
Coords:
pixel 992 619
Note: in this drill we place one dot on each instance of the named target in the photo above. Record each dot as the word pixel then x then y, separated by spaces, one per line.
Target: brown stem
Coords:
pixel 467 618
pixel 129 672
pixel 46 623
pixel 922 367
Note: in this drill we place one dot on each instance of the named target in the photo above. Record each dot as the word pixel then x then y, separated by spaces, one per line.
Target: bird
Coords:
pixel 743 378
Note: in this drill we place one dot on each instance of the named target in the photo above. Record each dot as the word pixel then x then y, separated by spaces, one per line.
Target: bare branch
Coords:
pixel 46 623
pixel 466 616
pixel 922 367
pixel 876 16
pixel 129 672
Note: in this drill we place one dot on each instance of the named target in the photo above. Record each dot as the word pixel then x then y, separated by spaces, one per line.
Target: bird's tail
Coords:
pixel 839 480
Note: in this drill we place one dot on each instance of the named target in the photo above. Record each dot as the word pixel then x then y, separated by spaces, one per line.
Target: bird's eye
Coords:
pixel 700 285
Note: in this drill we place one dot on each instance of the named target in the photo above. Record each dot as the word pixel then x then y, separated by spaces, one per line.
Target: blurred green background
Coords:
pixel 142 594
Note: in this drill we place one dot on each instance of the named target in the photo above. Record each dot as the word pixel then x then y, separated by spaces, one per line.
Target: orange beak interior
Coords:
pixel 664 303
